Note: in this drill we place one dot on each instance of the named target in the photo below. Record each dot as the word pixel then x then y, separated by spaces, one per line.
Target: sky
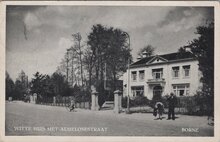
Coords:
pixel 37 36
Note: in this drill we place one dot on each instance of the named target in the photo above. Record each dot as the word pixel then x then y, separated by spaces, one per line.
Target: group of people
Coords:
pixel 159 108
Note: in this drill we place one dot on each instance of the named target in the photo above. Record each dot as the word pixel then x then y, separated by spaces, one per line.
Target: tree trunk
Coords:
pixel 81 64
pixel 114 74
pixel 72 71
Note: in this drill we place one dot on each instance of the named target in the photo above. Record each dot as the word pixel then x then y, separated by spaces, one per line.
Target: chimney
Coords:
pixel 187 48
pixel 144 54
pixel 139 58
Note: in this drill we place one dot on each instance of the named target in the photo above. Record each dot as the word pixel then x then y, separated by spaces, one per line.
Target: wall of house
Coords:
pixel 193 80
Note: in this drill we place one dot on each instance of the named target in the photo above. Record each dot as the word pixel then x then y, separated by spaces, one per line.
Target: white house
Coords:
pixel 163 74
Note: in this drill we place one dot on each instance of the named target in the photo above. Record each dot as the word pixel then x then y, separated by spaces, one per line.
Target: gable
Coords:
pixel 157 59
pixel 163 59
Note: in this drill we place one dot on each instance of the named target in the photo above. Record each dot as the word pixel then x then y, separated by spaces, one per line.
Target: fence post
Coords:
pixel 54 100
pixel 117 101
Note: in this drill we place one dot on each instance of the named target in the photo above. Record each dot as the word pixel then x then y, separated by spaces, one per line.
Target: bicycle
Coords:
pixel 70 106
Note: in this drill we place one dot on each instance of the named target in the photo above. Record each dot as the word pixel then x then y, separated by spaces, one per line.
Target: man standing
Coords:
pixel 171 105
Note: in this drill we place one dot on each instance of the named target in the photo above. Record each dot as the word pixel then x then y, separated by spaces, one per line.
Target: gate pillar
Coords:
pixel 117 101
pixel 95 97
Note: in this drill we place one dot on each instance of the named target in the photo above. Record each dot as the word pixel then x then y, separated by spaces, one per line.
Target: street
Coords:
pixel 31 119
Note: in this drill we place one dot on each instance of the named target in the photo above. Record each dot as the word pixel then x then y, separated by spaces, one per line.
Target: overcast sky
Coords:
pixel 49 28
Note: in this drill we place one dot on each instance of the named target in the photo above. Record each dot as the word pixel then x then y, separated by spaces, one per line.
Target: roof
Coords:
pixel 167 57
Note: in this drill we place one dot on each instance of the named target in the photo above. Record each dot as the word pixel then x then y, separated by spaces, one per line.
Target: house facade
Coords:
pixel 162 74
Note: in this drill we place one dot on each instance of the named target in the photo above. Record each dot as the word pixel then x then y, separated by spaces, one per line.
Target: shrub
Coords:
pixel 82 96
pixel 159 99
pixel 195 105
pixel 137 101
pixel 204 104
pixel 140 101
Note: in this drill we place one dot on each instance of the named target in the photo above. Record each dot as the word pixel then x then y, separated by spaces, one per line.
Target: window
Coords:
pixel 137 91
pixel 141 75
pixel 186 71
pixel 157 73
pixel 175 73
pixel 181 89
pixel 134 76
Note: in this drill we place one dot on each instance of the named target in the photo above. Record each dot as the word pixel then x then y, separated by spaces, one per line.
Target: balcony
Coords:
pixel 156 81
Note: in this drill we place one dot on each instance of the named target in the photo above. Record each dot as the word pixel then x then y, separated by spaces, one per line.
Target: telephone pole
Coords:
pixel 128 83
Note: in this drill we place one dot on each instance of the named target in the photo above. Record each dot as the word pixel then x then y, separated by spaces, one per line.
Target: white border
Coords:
pixel 3 4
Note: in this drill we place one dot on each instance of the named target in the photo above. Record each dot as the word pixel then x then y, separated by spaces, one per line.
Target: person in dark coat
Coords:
pixel 172 100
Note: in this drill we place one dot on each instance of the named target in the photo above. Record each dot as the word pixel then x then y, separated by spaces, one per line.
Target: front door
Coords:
pixel 157 92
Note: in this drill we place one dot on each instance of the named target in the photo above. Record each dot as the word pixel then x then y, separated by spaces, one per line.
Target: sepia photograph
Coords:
pixel 109 70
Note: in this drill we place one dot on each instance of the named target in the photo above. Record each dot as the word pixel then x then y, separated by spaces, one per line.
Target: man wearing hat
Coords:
pixel 172 100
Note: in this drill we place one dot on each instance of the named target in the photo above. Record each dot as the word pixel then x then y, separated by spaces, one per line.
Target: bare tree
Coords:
pixel 77 50
pixel 63 68
pixel 89 62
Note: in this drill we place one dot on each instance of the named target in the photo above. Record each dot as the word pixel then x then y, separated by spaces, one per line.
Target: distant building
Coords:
pixel 162 74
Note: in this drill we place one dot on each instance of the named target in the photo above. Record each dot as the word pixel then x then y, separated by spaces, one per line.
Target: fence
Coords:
pixel 62 101
pixel 194 105
pixel 191 105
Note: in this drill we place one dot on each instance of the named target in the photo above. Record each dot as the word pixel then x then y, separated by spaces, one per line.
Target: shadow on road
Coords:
pixel 164 118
